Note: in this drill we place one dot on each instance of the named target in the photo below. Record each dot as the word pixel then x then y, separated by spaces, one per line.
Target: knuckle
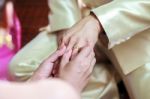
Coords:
pixel 73 39
pixel 64 39
pixel 81 43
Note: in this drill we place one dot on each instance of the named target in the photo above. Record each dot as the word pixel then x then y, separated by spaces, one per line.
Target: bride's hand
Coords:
pixel 77 71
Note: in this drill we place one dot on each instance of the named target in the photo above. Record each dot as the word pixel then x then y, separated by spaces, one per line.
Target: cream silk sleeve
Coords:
pixel 64 14
pixel 122 19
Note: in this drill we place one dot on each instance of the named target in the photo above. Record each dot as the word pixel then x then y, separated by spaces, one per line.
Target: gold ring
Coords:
pixel 75 47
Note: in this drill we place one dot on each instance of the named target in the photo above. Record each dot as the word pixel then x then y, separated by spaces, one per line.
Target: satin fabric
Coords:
pixel 125 22
pixel 102 84
pixel 138 82
pixel 127 27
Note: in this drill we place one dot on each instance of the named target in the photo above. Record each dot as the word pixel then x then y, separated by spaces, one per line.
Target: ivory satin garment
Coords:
pixel 124 21
pixel 127 27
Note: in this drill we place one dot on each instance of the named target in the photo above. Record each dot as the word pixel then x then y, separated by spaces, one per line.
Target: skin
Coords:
pixel 84 32
pixel 77 72
pixel 74 71
pixel 73 76
pixel 44 89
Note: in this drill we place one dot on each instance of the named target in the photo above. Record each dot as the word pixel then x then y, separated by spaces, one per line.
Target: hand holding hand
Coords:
pixel 77 71
pixel 85 32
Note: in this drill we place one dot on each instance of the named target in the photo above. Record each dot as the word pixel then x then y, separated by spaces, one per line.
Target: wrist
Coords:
pixel 96 23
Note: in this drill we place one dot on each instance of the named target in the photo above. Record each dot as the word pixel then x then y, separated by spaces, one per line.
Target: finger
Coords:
pixel 83 53
pixel 76 48
pixel 65 40
pixel 86 64
pixel 52 58
pixel 89 59
pixel 71 43
pixel 59 42
pixel 91 56
pixel 46 67
pixel 61 45
pixel 90 69
pixel 56 67
pixel 93 62
pixel 74 53
pixel 65 59
pixel 92 65
pixel 43 72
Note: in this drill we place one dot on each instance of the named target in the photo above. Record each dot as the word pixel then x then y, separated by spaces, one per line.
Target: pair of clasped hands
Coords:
pixel 74 60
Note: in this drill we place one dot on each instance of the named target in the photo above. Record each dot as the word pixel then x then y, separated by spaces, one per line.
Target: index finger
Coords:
pixel 56 55
pixel 84 52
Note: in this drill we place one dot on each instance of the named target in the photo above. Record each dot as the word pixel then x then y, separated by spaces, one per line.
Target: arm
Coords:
pixel 123 19
pixel 44 89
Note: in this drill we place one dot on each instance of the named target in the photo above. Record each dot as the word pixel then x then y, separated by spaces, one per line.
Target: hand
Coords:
pixel 81 34
pixel 45 69
pixel 60 35
pixel 77 71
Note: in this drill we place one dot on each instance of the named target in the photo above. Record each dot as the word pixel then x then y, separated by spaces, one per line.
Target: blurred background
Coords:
pixel 33 14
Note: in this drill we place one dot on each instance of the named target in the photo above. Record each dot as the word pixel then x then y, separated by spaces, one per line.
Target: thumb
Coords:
pixel 45 69
pixel 66 58
pixel 52 58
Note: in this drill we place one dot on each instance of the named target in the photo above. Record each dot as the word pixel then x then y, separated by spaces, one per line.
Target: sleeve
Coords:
pixel 122 19
pixel 64 14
